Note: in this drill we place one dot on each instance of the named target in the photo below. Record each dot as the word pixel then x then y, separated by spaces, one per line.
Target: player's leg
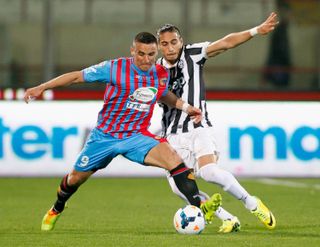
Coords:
pixel 68 186
pixel 210 172
pixel 163 155
pixel 207 157
pixel 95 155
pixel 184 180
pixel 220 212
pixel 151 150
pixel 183 145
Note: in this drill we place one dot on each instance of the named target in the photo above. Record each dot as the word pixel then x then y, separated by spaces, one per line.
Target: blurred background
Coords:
pixel 40 39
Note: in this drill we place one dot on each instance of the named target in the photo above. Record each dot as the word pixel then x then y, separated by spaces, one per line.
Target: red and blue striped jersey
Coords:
pixel 130 95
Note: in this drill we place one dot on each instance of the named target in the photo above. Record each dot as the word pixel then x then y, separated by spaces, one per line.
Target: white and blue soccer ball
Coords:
pixel 189 220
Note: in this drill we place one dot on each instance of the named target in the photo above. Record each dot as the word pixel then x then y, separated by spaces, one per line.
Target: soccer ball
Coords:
pixel 189 220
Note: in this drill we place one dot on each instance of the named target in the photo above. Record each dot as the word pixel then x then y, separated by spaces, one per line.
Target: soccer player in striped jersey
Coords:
pixel 133 85
pixel 185 63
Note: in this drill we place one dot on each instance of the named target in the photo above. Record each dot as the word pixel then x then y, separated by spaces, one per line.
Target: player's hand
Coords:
pixel 32 93
pixel 194 113
pixel 269 24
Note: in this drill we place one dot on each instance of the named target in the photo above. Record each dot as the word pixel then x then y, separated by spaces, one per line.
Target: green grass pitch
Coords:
pixel 139 212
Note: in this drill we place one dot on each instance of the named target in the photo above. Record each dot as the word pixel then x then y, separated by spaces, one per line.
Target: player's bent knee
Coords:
pixel 207 159
pixel 208 172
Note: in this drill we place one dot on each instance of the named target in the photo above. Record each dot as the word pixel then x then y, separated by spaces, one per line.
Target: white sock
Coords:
pixel 213 174
pixel 223 214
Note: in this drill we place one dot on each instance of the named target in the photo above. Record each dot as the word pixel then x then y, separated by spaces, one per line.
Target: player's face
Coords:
pixel 144 55
pixel 170 45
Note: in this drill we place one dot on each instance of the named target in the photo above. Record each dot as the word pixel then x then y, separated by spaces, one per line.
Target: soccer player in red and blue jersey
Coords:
pixel 133 85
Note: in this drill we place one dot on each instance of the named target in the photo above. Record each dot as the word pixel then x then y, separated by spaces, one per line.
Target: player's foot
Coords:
pixel 49 220
pixel 231 225
pixel 210 206
pixel 264 215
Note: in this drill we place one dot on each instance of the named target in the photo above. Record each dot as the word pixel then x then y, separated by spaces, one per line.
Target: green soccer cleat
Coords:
pixel 49 220
pixel 264 215
pixel 210 206
pixel 231 225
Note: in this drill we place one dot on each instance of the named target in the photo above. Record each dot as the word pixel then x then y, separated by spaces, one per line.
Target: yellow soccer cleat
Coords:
pixel 264 215
pixel 49 220
pixel 210 206
pixel 232 225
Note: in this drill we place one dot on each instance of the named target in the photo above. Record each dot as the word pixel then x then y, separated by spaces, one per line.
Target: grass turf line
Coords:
pixel 139 212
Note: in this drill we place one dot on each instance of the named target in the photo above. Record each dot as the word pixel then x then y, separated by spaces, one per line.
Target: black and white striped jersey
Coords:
pixel 186 81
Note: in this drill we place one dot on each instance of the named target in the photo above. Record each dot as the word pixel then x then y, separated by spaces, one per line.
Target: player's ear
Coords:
pixel 181 40
pixel 132 51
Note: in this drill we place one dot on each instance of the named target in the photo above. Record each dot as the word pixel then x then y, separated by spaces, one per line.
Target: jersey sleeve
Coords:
pixel 203 47
pixel 98 73
pixel 164 78
pixel 167 89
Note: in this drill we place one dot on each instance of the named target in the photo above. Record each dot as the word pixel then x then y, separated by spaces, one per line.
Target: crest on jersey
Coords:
pixel 163 81
pixel 180 64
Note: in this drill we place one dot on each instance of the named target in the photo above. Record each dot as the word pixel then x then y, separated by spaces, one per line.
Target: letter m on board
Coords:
pixel 257 137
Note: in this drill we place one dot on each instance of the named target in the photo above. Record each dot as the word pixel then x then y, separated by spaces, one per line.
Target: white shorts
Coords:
pixel 194 144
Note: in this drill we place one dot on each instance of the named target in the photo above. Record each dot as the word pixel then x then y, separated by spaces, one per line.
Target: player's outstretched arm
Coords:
pixel 234 39
pixel 63 80
pixel 173 101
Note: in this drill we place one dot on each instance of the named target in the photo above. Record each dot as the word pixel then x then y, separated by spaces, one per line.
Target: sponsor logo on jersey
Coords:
pixel 144 94
pixel 177 84
pixel 141 98
pixel 143 77
pixel 138 106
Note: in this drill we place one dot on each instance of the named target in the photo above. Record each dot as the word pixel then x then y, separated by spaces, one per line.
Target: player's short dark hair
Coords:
pixel 145 38
pixel 168 28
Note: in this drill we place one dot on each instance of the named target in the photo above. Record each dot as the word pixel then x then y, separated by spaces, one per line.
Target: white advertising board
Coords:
pixel 254 138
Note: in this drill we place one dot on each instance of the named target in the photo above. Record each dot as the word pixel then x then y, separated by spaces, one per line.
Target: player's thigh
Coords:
pixel 148 149
pixel 203 143
pixel 187 156
pixel 163 155
pixel 97 152
pixel 182 144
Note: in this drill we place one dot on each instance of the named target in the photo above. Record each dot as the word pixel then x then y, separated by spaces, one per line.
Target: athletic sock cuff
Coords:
pixel 179 169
